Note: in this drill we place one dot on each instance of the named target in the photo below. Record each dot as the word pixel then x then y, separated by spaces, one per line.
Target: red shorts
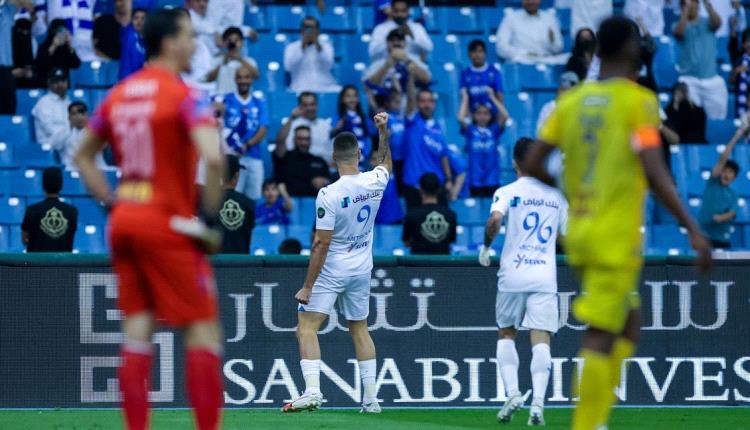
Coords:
pixel 159 270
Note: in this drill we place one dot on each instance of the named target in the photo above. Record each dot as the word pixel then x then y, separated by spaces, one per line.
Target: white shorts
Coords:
pixel 352 294
pixel 711 94
pixel 536 311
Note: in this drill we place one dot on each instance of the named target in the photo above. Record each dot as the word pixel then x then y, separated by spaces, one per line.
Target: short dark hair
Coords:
pixel 160 24
pixel 306 94
pixel 230 31
pixel 393 2
pixel 268 182
pixel 425 90
pixel 310 18
pixel 732 165
pixel 345 146
pixel 429 183
pixel 77 104
pixel 290 246
pixel 52 180
pixel 300 127
pixel 614 35
pixel 395 34
pixel 521 148
pixel 139 9
pixel 476 44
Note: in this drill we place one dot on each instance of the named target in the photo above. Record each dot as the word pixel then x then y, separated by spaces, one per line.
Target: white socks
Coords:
pixel 367 371
pixel 311 373
pixel 507 365
pixel 541 362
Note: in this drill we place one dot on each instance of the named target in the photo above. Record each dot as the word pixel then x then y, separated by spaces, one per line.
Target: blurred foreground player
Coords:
pixel 609 133
pixel 535 214
pixel 158 129
pixel 340 265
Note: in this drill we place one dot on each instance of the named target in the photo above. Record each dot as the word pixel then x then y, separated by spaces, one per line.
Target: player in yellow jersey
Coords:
pixel 609 133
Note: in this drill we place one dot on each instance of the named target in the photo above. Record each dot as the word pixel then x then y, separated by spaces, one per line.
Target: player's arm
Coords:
pixel 288 203
pixel 502 113
pixel 321 243
pixel 92 177
pixel 714 20
pixel 719 166
pixel 445 163
pixel 679 29
pixel 463 110
pixel 384 147
pixel 533 165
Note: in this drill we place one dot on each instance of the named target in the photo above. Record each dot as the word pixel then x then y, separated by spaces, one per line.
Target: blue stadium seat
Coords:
pixel 307 210
pixel 434 19
pixel 4 238
pixel 337 20
pixel 521 109
pixel 25 183
pixel 700 157
pixel 477 237
pixel 349 73
pixel 256 18
pixel 12 210
pixel 447 50
pixel 668 240
pixel 738 237
pixel 169 4
pixel 280 104
pixel 746 235
pixel 272 76
pixel 301 232
pixel 511 78
pixel 34 155
pixel 445 79
pixel 719 131
pixel 285 18
pixel 90 212
pixel 742 184
pixel 388 239
pixel 96 96
pixel 696 185
pixel 7 156
pixel 72 185
pixel 12 241
pixel 266 239
pixel 89 239
pixel 365 19
pixel 722 49
pixel 507 176
pixel 540 77
pixel 489 20
pixel 563 15
pixel 694 205
pixel 463 238
pixel 665 62
pixel 743 211
pixel 95 74
pixel 112 178
pixel 678 165
pixel 328 102
pixel 26 99
pixel 465 21
pixel 15 129
pixel 468 211
pixel 353 48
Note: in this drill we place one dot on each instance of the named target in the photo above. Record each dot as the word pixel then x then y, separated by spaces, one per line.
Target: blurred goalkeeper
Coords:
pixel 157 129
pixel 340 265
pixel 534 215
pixel 608 131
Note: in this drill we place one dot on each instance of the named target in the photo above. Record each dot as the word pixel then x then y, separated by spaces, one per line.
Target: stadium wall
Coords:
pixel 432 321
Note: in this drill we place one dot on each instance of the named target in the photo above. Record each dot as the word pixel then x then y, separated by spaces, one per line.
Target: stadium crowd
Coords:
pixel 456 103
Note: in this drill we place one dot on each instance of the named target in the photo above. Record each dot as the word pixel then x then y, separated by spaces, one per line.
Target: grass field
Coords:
pixel 394 419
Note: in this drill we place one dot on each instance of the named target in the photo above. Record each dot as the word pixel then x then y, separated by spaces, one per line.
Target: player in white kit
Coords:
pixel 534 214
pixel 340 265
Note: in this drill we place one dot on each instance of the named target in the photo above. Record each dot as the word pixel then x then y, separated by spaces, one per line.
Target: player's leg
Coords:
pixel 354 303
pixel 203 371
pixel 623 348
pixel 542 319
pixel 605 308
pixel 309 322
pixel 135 368
pixel 509 310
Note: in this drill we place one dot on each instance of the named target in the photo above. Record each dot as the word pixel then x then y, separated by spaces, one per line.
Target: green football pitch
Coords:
pixel 394 419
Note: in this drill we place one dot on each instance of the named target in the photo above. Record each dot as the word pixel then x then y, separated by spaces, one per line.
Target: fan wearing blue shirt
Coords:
pixel 276 204
pixel 246 124
pixel 482 142
pixel 392 105
pixel 350 117
pixel 480 79
pixel 426 148
pixel 133 53
pixel 390 211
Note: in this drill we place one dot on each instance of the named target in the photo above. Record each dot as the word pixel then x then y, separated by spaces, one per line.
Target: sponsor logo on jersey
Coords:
pixel 515 201
pixel 321 212
pixel 54 224
pixel 345 202
pixel 231 215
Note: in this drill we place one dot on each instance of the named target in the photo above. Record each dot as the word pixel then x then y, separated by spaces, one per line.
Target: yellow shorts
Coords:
pixel 608 296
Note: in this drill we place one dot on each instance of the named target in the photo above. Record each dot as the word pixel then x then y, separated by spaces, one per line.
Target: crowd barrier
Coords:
pixel 432 321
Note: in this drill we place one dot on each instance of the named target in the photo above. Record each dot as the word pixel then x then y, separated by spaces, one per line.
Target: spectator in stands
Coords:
pixel 482 142
pixel 276 206
pixel 392 104
pixel 589 13
pixel 648 14
pixel 229 13
pixel 583 52
pixel 390 211
pixel 206 30
pixel 27 28
pixel 723 9
pixel 303 173
pixel 51 111
pixel 567 81
pixel 65 141
pixel 8 73
pixel 306 113
pixel 458 172
pixel 237 213
pixel 719 206
pixel 737 23
pixel 684 117
pixel 201 64
pixel 107 37
pixel 431 227
pixel 529 35
pixel 246 118
pixel 50 225
pixel 133 53
pixel 81 16
pixel 227 64
pixel 351 117
pixel 740 76
pixel 697 41
pixel 392 72
pixel 426 148
pixel 309 60
pixel 290 246
pixel 56 52
pixel 418 42
pixel 481 80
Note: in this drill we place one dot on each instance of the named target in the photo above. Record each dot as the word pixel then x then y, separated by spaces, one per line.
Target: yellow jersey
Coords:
pixel 600 128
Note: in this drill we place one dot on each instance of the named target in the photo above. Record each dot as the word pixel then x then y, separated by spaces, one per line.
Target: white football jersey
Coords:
pixel 534 215
pixel 348 207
